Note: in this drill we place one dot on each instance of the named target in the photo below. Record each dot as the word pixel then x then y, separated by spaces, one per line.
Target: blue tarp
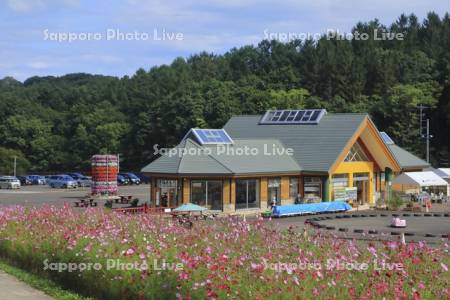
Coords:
pixel 312 208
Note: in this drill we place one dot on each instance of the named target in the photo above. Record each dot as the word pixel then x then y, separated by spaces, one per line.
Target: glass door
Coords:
pixel 361 182
pixel 167 195
pixel 274 190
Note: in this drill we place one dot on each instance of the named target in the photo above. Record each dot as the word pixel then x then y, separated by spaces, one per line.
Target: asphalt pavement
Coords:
pixel 38 195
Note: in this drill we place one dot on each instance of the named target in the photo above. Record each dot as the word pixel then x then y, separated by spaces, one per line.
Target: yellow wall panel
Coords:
pixel 226 191
pixel 284 188
pixel 263 193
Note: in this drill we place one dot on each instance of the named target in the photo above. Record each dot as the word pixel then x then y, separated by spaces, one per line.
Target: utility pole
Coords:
pixel 421 115
pixel 428 137
pixel 15 165
pixel 425 127
pixel 428 140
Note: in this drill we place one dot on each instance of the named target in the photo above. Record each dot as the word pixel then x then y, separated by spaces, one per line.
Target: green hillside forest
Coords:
pixel 57 123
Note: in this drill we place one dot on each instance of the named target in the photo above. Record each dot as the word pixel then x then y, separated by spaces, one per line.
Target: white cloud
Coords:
pixel 39 65
pixel 108 59
pixel 25 6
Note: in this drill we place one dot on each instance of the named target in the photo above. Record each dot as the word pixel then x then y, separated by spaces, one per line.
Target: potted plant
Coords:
pixel 394 203
pixel 266 214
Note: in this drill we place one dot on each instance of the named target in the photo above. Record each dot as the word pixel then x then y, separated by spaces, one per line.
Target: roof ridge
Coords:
pixel 209 155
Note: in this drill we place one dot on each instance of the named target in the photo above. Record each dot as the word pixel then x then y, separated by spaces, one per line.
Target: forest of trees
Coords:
pixel 57 123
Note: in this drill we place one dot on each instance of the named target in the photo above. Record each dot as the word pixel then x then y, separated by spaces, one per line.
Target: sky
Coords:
pixel 57 37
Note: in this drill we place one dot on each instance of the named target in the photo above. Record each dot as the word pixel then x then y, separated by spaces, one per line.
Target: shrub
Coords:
pixel 395 202
pixel 134 202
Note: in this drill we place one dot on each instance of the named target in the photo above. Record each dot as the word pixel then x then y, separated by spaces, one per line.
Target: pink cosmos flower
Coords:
pixel 315 292
pixel 129 252
pixel 183 276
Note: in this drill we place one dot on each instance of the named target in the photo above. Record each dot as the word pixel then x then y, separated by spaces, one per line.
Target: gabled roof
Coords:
pixel 225 160
pixel 406 159
pixel 315 147
pixel 186 158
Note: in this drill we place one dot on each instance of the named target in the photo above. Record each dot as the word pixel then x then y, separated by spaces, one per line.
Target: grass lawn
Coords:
pixel 38 282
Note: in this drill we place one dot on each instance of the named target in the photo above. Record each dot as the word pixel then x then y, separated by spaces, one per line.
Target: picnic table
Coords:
pixel 92 200
pixel 123 199
pixel 86 202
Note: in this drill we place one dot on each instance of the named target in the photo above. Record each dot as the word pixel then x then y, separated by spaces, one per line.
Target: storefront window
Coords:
pixel 167 192
pixel 339 183
pixel 312 189
pixel 207 193
pixel 247 193
pixel 198 192
pixel 293 187
pixel 274 190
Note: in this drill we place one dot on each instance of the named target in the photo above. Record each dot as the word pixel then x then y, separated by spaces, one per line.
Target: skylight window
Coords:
pixel 212 136
pixel 386 138
pixel 304 116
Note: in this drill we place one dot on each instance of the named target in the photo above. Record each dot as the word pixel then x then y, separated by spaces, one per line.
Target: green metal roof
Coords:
pixel 406 159
pixel 316 147
pixel 225 159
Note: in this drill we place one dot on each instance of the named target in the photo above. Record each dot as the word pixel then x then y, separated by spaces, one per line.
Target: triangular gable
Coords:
pixel 370 137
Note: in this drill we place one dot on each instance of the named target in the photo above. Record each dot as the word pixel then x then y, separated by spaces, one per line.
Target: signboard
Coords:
pixel 351 193
pixel 345 193
pixel 340 193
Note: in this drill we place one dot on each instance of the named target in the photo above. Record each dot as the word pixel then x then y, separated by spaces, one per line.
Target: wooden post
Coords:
pixel 186 190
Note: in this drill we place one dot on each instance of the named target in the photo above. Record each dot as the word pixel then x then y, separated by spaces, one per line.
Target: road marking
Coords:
pixel 20 192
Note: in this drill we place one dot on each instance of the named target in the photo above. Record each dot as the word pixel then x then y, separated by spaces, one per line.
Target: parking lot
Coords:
pixel 37 195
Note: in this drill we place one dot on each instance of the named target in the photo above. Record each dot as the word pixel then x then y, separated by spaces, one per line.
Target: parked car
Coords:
pixel 9 182
pixel 62 181
pixel 133 179
pixel 76 176
pixel 24 180
pixel 122 180
pixel 80 178
pixel 37 179
pixel 84 181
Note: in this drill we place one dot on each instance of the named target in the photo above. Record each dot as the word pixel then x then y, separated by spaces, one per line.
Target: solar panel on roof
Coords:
pixel 299 115
pixel 303 116
pixel 315 115
pixel 386 138
pixel 212 136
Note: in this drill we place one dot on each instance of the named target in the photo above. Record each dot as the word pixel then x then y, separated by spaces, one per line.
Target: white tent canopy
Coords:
pixel 443 172
pixel 421 179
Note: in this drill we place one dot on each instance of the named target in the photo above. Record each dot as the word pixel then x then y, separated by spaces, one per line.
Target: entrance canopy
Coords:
pixel 421 179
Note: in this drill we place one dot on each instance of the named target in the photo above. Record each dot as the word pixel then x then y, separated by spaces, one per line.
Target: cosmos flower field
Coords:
pixel 117 256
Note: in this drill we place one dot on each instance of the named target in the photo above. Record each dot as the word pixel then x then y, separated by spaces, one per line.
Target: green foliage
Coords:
pixel 7 162
pixel 46 285
pixel 395 202
pixel 134 202
pixel 57 123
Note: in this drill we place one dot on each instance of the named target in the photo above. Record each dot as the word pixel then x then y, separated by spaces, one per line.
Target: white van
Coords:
pixel 9 182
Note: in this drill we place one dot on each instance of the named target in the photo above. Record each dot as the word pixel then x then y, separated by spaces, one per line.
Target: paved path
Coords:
pixel 12 288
